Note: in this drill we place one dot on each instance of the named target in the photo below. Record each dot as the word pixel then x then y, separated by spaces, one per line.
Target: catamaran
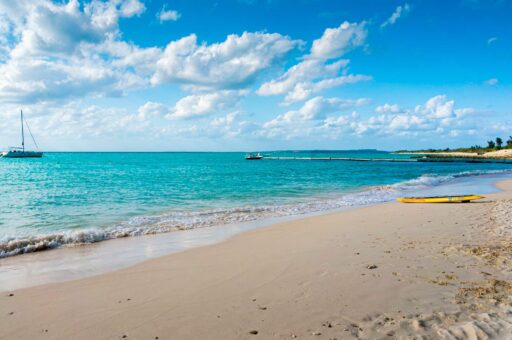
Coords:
pixel 20 152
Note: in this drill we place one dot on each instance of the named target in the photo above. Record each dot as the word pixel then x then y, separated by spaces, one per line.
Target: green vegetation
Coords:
pixel 492 145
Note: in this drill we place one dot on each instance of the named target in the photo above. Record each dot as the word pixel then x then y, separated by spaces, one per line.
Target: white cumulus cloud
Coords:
pixel 130 8
pixel 309 77
pixel 151 109
pixel 168 15
pixel 199 105
pixel 317 72
pixel 438 116
pixel 437 107
pixel 388 108
pixel 335 42
pixel 233 63
pixel 56 48
pixel 315 109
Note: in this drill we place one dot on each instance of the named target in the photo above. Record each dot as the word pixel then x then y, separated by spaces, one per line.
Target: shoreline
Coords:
pixel 380 270
pixel 504 154
pixel 71 262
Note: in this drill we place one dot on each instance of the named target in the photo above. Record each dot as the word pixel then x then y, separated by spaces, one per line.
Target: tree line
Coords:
pixel 492 145
pixel 497 144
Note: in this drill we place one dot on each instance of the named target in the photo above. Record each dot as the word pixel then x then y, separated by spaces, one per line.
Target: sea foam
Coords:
pixel 184 220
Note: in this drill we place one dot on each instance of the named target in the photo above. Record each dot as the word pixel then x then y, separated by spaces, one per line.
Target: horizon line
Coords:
pixel 206 151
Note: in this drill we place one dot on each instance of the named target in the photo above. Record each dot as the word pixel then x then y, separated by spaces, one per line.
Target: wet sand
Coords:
pixel 393 270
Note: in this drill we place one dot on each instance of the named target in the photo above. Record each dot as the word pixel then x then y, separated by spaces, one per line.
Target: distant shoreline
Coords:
pixel 499 154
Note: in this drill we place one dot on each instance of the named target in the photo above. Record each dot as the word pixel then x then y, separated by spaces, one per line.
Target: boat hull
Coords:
pixel 440 199
pixel 22 154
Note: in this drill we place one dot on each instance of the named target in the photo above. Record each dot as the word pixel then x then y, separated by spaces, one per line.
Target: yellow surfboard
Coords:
pixel 440 199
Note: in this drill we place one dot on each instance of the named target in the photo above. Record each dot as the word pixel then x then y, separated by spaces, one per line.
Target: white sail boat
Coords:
pixel 20 152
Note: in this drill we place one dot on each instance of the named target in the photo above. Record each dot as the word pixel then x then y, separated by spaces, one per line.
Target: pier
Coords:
pixel 393 160
pixel 340 159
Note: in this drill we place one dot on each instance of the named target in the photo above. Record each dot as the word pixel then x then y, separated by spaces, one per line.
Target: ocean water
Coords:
pixel 73 198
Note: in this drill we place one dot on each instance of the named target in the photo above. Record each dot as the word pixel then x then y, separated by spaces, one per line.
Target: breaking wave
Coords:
pixel 184 220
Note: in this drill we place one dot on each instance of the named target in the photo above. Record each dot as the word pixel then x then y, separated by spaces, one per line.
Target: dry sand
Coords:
pixel 389 271
pixel 504 153
pixel 498 154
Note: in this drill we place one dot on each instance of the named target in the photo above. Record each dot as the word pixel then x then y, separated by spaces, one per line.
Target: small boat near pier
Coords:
pixel 253 156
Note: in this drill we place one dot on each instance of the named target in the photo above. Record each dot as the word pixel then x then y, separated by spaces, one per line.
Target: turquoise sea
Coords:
pixel 72 198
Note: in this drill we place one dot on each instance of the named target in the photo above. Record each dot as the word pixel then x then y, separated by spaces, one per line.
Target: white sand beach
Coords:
pixel 387 271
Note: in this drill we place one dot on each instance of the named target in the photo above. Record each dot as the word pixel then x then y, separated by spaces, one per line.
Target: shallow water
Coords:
pixel 74 198
pixel 76 262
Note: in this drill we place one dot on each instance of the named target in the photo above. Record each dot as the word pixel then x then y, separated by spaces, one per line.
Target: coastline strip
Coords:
pixel 433 159
pixel 338 159
pixel 386 270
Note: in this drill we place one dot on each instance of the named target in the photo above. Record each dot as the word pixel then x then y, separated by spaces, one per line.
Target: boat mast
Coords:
pixel 22 133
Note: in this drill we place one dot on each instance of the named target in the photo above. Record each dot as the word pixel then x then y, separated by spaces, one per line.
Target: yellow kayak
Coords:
pixel 439 199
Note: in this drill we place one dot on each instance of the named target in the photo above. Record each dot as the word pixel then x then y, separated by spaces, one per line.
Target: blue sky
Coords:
pixel 255 75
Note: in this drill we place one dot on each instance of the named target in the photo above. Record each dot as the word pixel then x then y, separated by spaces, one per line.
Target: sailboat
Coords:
pixel 20 152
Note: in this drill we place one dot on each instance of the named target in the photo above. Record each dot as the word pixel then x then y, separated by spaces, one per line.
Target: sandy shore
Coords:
pixel 392 270
pixel 498 154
